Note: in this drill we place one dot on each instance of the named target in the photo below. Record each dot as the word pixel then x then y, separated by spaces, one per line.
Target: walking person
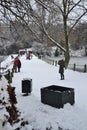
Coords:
pixel 61 68
pixel 28 55
pixel 15 64
pixel 19 64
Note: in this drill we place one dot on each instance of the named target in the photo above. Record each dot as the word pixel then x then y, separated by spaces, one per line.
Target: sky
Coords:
pixel 41 116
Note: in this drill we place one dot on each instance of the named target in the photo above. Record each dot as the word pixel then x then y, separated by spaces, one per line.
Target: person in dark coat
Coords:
pixel 19 65
pixel 61 68
pixel 28 55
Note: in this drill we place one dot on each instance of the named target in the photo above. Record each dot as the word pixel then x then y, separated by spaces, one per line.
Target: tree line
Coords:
pixel 44 19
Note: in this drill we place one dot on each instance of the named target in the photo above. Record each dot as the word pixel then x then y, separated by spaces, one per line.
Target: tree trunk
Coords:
pixel 65 16
pixel 67 56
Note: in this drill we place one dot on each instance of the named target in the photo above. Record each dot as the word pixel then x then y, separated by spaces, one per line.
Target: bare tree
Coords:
pixel 53 12
pixel 71 12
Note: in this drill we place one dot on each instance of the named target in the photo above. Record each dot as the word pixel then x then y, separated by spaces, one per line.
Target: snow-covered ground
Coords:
pixel 39 115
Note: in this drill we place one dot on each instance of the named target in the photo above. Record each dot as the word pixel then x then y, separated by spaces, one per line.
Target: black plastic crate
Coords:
pixel 57 96
pixel 26 86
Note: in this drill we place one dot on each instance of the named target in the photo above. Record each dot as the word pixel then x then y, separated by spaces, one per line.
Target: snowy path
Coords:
pixel 41 116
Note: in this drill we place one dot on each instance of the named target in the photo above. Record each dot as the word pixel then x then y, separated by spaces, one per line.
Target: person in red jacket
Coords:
pixel 15 64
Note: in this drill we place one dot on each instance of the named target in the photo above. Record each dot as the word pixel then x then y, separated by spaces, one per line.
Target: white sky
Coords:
pixel 40 115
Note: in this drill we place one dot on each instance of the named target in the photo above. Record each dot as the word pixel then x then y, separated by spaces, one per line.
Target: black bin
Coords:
pixel 26 86
pixel 57 96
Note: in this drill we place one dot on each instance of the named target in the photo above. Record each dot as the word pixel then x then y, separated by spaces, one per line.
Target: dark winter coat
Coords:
pixel 61 66
pixel 19 63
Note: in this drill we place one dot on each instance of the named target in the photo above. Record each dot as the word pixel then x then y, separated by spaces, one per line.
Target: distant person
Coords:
pixel 15 64
pixel 19 64
pixel 61 64
pixel 28 55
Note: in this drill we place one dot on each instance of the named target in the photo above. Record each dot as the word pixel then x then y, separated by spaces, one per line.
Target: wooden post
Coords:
pixel 55 63
pixel 85 68
pixel 74 68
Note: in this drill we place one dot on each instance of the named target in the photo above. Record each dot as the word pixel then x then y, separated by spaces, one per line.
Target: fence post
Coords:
pixel 55 63
pixel 85 68
pixel 74 68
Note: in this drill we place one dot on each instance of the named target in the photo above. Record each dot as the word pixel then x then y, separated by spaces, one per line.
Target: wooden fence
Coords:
pixel 75 67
